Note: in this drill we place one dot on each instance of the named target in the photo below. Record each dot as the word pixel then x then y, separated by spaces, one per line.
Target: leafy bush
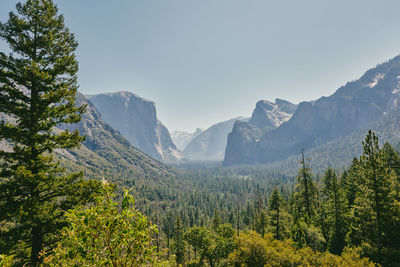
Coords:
pixel 253 250
pixel 106 233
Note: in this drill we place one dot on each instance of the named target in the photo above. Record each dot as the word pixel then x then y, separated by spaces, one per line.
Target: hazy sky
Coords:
pixel 206 61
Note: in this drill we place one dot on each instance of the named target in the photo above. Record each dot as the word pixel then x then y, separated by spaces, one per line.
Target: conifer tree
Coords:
pixel 335 205
pixel 277 215
pixel 216 220
pixel 179 242
pixel 305 196
pixel 350 182
pixel 261 222
pixel 375 224
pixel 393 159
pixel 38 86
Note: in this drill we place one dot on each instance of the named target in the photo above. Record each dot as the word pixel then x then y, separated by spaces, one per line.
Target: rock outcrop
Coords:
pixel 242 141
pixel 136 119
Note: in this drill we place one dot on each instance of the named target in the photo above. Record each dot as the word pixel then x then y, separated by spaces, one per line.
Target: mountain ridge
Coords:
pixel 352 107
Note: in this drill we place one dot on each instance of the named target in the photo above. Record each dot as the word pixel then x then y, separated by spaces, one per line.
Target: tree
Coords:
pixel 106 233
pixel 179 242
pixel 304 209
pixel 252 250
pixel 277 215
pixel 261 222
pixel 305 197
pixel 335 205
pixel 375 223
pixel 216 220
pixel 38 86
pixel 212 245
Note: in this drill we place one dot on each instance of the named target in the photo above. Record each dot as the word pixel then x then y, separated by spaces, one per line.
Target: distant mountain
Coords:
pixel 181 139
pixel 210 144
pixel 245 135
pixel 350 109
pixel 136 119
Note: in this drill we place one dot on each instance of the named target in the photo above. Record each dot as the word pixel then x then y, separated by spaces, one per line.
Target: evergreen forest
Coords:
pixel 55 213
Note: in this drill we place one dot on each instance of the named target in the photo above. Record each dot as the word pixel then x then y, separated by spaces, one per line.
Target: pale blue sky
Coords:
pixel 205 61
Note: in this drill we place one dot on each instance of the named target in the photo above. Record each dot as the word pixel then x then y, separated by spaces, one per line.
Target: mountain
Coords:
pixel 181 139
pixel 245 135
pixel 136 119
pixel 210 144
pixel 351 108
pixel 106 152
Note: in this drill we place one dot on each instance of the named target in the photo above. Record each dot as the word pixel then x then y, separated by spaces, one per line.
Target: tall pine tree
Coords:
pixel 375 224
pixel 306 195
pixel 38 86
pixel 278 216
pixel 179 242
pixel 334 203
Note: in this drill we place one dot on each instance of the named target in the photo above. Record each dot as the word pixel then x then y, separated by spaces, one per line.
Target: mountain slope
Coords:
pixel 106 153
pixel 210 144
pixel 243 139
pixel 136 119
pixel 351 108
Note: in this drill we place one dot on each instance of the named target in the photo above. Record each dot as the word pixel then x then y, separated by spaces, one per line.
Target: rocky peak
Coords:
pixel 269 114
pixel 245 135
pixel 136 119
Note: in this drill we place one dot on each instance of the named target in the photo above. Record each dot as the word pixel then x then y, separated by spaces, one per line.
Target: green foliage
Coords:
pixel 278 216
pixel 6 261
pixel 375 217
pixel 253 250
pixel 305 196
pixel 334 204
pixel 179 244
pixel 261 222
pixel 212 246
pixel 38 87
pixel 106 233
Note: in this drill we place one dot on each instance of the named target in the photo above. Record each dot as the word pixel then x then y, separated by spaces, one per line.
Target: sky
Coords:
pixel 207 61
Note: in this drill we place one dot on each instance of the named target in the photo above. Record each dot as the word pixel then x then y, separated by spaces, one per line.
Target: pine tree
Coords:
pixel 350 182
pixel 305 197
pixel 376 217
pixel 38 86
pixel 334 203
pixel 261 222
pixel 216 220
pixel 393 159
pixel 179 242
pixel 277 215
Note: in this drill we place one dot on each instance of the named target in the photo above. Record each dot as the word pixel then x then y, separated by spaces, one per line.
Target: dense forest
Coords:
pixel 51 214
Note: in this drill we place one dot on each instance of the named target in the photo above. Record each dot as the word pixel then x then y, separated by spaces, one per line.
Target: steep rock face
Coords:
pixel 210 144
pixel 242 141
pixel 106 151
pixel 136 119
pixel 271 115
pixel 351 108
pixel 181 139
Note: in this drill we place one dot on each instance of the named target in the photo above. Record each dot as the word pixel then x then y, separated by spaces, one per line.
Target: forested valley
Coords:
pixel 126 209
